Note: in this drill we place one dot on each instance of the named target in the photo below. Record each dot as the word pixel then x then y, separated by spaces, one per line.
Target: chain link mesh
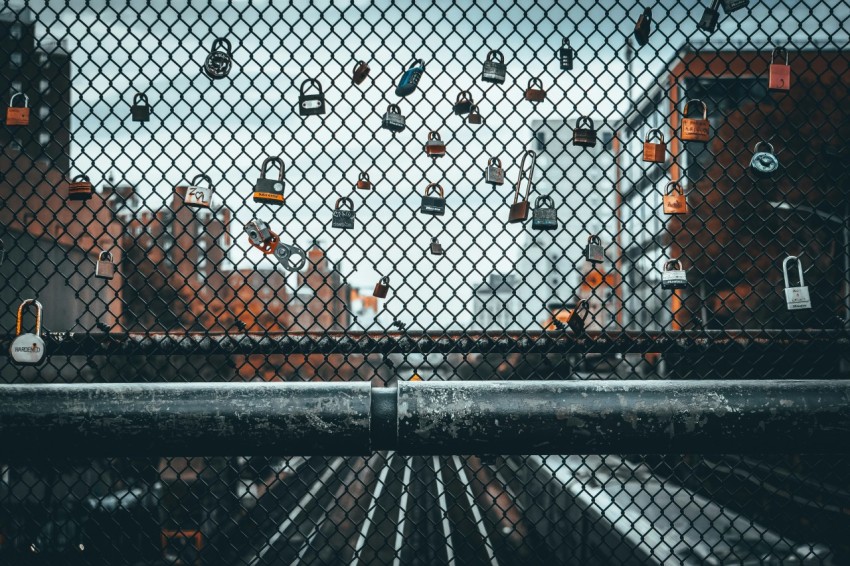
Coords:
pixel 498 303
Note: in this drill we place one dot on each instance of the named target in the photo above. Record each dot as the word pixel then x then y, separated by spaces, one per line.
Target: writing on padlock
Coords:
pixel 594 252
pixel 18 115
pixel 695 129
pixel 495 69
pixel 393 120
pixel 311 104
pixel 361 71
pixel 27 349
pixel 343 215
pixel 584 134
pixel 673 276
pixel 796 298
pixel 654 152
pixel 80 188
pixel 730 6
pixel 710 17
pixel 105 267
pixel 463 103
pixel 519 208
pixel 535 92
pixel 140 111
pixel 266 190
pixel 779 74
pixel 433 205
pixel 493 173
pixel 196 196
pixel 261 237
pixel 291 256
pixel 382 287
pixel 643 27
pixel 566 55
pixel 219 61
pixel 434 146
pixel 764 162
pixel 674 199
pixel 410 78
pixel 544 216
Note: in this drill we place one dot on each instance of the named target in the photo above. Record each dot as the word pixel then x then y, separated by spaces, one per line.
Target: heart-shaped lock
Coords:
pixel 764 162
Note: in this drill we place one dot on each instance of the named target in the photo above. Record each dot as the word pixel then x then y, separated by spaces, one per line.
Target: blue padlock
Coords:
pixel 410 79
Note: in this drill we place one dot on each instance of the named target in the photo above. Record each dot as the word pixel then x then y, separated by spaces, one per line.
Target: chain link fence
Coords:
pixel 386 192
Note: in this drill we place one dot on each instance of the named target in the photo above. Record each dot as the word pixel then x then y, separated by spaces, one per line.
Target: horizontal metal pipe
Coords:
pixel 555 342
pixel 535 417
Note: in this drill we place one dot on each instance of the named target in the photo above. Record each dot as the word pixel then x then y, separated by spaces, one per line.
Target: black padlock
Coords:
pixel 343 217
pixel 566 55
pixel 311 104
pixel 584 134
pixel 709 19
pixel 576 320
pixel 643 27
pixel 361 71
pixel 269 191
pixel 393 120
pixel 463 103
pixel 495 69
pixel 544 216
pixel 219 61
pixel 436 248
pixel 730 6
pixel 140 110
pixel 435 206
pixel 382 287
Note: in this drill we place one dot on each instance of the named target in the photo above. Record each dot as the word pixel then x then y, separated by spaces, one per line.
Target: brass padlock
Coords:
pixel 261 237
pixel 197 196
pixel 27 349
pixel 434 147
pixel 311 104
pixel 519 209
pixel 584 134
pixel 643 27
pixel 382 288
pixel 269 191
pixel 104 268
pixel 463 103
pixel 566 55
pixel 361 71
pixel 80 188
pixel 363 182
pixel 436 248
pixel 577 316
pixel 18 115
pixel 435 206
pixel 695 129
pixel 495 69
pixel 140 111
pixel 493 173
pixel 535 94
pixel 779 75
pixel 674 199
pixel 654 152
pixel 219 61
pixel 474 117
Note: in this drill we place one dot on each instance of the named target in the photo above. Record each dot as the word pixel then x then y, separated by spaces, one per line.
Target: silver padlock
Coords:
pixel 27 349
pixel 104 269
pixel 796 298
pixel 258 232
pixel 594 252
pixel 198 197
pixel 673 276
pixel 494 174
pixel 764 162
pixel 292 257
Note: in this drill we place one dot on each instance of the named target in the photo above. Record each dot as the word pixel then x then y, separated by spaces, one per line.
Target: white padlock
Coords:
pixel 27 349
pixel 796 298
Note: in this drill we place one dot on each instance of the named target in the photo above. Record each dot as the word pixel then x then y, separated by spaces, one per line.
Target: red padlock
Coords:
pixel 779 76
pixel 18 115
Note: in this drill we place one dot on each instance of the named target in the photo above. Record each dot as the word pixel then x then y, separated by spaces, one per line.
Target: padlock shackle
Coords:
pixel 140 97
pixel 267 163
pixel 677 187
pixel 656 132
pixel 565 42
pixel 222 42
pixel 439 189
pixel 494 161
pixel 432 135
pixel 543 200
pixel 759 143
pixel 535 81
pixel 344 201
pixel 16 95
pixel 393 108
pixel 18 321
pixel 778 51
pixel 81 179
pixel 677 265
pixel 358 63
pixel 434 240
pixel 522 173
pixel 461 97
pixel 364 176
pixel 696 101
pixel 201 177
pixel 413 63
pixel 311 82
pixel 581 304
pixel 495 54
pixel 594 239
pixel 785 276
pixel 385 280
pixel 104 256
pixel 586 121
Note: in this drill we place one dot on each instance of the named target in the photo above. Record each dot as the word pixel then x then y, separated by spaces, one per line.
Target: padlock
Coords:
pixel 140 110
pixel 566 55
pixel 410 78
pixel 779 75
pixel 796 298
pixel 730 6
pixel 474 117
pixel 269 191
pixel 493 173
pixel 219 61
pixel 463 103
pixel 695 129
pixel 80 188
pixel 674 199
pixel 363 182
pixel 535 94
pixel 594 252
pixel 104 268
pixel 577 315
pixel 654 152
pixel 434 147
pixel 361 71
pixel 291 257
pixel 435 206
pixel 495 69
pixel 673 276
pixel 393 120
pixel 519 208
pixel 643 27
pixel 343 217
pixel 436 248
pixel 196 196
pixel 710 17
pixel 584 134
pixel 544 216
pixel 764 163
pixel 18 115
pixel 382 287
pixel 261 237
pixel 27 349
pixel 311 104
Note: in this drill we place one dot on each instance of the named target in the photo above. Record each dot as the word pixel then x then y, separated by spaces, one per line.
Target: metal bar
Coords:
pixel 550 342
pixel 496 417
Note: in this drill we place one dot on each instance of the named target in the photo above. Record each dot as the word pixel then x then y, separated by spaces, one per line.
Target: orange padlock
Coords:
pixel 674 199
pixel 779 76
pixel 695 129
pixel 18 116
pixel 363 182
pixel 654 152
